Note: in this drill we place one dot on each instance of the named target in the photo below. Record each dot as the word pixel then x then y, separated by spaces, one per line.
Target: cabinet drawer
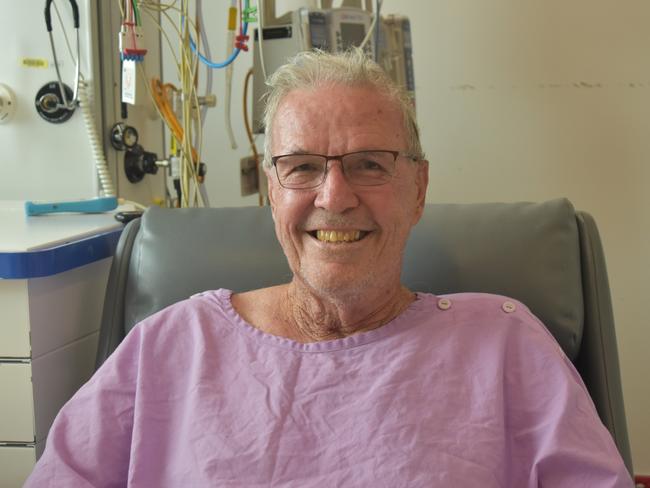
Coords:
pixel 82 291
pixel 15 465
pixel 14 326
pixel 17 404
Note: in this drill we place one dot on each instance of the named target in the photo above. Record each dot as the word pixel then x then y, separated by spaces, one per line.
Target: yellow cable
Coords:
pixel 160 99
pixel 158 6
pixel 188 72
pixel 187 69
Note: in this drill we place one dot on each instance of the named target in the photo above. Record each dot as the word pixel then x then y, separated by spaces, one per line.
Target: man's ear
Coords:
pixel 422 183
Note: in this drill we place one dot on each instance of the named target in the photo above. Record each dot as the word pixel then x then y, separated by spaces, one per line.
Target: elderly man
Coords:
pixel 342 377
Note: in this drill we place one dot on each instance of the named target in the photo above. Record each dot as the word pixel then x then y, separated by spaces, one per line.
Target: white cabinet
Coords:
pixel 15 463
pixel 53 274
pixel 17 407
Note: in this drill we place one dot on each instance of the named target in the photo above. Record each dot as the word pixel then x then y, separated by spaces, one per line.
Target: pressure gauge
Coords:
pixel 123 136
pixel 51 105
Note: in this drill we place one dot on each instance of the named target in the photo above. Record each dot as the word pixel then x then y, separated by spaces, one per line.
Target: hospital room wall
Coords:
pixel 539 100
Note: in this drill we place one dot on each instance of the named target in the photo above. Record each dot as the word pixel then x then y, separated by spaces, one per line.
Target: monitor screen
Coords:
pixel 352 34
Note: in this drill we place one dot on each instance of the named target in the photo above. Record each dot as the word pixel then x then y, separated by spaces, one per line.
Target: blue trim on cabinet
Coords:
pixel 64 257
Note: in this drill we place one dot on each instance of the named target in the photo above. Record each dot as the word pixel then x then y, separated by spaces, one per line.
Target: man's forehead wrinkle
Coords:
pixel 329 100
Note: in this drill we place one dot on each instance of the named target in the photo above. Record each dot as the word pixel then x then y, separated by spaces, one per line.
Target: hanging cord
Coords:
pixel 208 90
pixel 189 164
pixel 183 130
pixel 96 145
pixel 378 5
pixel 251 138
pixel 370 30
pixel 239 46
pixel 230 41
pixel 206 46
pixel 260 37
pixel 68 105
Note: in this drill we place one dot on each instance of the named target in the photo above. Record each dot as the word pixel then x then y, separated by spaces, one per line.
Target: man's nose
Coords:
pixel 336 194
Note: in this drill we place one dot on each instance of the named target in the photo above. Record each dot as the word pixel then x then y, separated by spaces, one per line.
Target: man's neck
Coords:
pixel 312 317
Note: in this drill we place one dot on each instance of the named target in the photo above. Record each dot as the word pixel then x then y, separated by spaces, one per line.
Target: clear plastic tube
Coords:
pixel 206 46
pixel 260 38
pixel 230 39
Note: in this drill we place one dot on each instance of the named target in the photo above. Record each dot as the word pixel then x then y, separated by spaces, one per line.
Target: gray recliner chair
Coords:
pixel 546 255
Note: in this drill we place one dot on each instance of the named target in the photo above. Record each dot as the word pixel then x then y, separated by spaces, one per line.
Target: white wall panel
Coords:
pixel 544 99
pixel 40 160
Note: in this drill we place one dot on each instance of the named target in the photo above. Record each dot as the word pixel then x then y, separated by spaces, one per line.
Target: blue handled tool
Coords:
pixel 94 205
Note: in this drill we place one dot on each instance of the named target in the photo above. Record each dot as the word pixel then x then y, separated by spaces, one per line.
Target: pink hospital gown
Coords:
pixel 463 393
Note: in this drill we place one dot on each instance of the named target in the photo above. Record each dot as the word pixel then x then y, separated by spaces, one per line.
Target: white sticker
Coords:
pixel 128 81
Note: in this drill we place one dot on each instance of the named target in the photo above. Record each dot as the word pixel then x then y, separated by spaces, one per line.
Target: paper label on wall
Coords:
pixel 128 81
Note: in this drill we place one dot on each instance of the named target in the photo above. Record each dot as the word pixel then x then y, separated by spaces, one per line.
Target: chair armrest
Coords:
pixel 112 324
pixel 598 358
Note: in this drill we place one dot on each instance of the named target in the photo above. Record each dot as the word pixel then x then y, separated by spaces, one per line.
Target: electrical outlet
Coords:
pixel 248 176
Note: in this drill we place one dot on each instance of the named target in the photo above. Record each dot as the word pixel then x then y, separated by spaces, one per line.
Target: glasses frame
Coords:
pixel 339 157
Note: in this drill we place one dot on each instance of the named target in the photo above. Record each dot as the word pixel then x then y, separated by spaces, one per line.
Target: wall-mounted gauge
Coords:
pixel 51 106
pixel 123 136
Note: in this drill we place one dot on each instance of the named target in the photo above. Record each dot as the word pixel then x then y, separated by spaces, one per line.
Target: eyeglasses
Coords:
pixel 363 168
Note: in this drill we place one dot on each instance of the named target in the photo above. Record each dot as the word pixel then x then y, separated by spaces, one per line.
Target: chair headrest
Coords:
pixel 526 251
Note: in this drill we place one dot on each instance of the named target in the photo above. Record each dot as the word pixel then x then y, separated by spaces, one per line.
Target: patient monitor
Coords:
pixel 329 29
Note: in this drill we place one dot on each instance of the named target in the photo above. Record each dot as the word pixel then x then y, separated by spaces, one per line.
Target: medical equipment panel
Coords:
pixel 334 30
pixel 395 51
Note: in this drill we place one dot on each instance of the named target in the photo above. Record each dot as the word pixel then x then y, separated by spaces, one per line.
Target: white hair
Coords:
pixel 312 69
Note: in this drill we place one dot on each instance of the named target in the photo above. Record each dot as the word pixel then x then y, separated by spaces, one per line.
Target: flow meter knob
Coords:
pixel 138 163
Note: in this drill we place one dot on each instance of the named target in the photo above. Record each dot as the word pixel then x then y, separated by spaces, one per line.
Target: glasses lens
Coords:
pixel 369 168
pixel 300 170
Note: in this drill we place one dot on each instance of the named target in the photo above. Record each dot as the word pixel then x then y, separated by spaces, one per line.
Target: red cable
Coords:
pixel 135 42
pixel 241 38
pixel 241 16
pixel 132 24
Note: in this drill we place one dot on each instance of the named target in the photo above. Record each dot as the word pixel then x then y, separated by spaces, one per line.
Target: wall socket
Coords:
pixel 248 176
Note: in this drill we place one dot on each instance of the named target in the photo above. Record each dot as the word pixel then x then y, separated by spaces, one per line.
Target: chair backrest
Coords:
pixel 546 255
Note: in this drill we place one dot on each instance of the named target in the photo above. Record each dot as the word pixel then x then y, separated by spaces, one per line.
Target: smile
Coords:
pixel 337 236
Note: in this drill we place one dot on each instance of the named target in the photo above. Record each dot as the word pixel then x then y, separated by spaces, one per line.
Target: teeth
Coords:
pixel 338 236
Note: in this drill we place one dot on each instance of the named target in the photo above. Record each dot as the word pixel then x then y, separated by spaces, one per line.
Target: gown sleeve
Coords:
pixel 556 437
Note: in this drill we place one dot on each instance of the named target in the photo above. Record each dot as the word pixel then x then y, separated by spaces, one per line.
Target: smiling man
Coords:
pixel 346 184
pixel 341 377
